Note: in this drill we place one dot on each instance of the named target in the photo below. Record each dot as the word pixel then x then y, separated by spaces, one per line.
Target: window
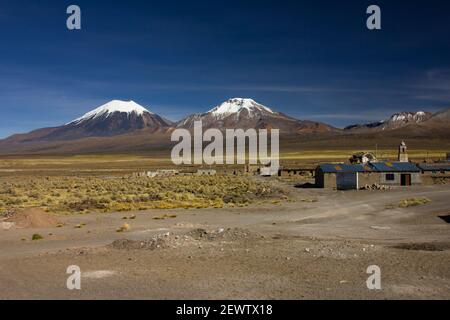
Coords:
pixel 390 177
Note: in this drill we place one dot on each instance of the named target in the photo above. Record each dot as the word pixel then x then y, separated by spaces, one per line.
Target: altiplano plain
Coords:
pixel 294 243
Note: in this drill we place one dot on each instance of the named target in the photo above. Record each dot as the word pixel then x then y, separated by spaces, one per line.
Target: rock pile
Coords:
pixel 8 213
pixel 228 234
pixel 193 237
pixel 148 244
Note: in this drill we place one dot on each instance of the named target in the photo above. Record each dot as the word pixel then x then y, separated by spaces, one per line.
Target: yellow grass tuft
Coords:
pixel 413 202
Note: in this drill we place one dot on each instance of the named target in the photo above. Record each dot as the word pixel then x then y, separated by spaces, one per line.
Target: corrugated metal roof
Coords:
pixel 335 168
pixel 434 166
pixel 394 167
pixel 370 167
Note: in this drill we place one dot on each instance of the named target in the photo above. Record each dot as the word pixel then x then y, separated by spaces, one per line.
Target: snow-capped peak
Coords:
pixel 409 116
pixel 236 105
pixel 111 107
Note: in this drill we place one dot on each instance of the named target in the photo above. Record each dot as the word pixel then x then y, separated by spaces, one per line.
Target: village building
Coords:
pixel 338 176
pixel 435 173
pixel 356 176
pixel 365 170
pixel 397 173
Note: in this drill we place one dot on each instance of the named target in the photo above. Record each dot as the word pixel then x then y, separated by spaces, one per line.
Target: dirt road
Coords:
pixel 318 245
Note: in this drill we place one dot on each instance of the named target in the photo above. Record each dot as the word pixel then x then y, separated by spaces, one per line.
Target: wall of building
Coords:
pixel 330 180
pixel 384 181
pixel 415 178
pixel 429 178
pixel 326 180
pixel 368 178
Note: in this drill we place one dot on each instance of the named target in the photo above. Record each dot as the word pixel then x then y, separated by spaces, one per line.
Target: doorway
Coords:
pixel 347 181
pixel 406 179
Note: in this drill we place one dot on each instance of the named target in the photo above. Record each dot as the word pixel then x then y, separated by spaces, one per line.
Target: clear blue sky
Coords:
pixel 309 59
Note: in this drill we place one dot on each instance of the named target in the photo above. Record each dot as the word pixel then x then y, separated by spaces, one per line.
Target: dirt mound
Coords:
pixel 32 218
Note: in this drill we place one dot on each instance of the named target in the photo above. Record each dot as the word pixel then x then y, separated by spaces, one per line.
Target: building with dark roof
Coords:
pixel 435 173
pixel 435 167
pixel 348 176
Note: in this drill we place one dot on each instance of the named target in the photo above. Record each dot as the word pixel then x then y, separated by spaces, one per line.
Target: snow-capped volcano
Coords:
pixel 397 120
pixel 111 119
pixel 108 109
pixel 238 105
pixel 245 113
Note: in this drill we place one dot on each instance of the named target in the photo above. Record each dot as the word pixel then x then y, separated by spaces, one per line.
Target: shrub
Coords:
pixel 37 236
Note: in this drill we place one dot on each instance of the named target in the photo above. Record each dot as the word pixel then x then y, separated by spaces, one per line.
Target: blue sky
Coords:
pixel 309 59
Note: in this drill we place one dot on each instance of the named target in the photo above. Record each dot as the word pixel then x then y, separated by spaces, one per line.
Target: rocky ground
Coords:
pixel 318 245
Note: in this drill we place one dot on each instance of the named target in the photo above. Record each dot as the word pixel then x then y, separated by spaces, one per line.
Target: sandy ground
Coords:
pixel 295 250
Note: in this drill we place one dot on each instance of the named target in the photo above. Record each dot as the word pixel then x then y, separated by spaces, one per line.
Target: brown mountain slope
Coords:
pixel 431 134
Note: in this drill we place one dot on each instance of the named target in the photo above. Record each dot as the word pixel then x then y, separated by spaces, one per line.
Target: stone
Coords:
pixel 7 225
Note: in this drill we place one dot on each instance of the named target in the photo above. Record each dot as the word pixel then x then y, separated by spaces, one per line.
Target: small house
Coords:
pixel 354 176
pixel 398 173
pixel 338 176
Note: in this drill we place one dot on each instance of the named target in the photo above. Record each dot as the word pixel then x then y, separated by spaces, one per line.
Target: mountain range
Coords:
pixel 247 113
pixel 396 121
pixel 125 126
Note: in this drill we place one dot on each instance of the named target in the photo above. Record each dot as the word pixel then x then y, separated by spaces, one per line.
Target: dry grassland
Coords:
pixel 69 194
